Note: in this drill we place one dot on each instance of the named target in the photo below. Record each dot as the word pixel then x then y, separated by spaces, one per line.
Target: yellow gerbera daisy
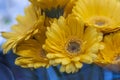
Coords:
pixel 49 4
pixel 102 14
pixel 31 54
pixel 56 14
pixel 27 26
pixel 55 8
pixel 109 57
pixel 52 8
pixel 69 43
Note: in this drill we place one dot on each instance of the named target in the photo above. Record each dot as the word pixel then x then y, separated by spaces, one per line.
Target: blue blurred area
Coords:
pixel 9 9
pixel 9 71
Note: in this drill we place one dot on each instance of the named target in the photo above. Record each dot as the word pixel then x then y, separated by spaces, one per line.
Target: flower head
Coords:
pixel 55 8
pixel 27 26
pixel 51 8
pixel 109 57
pixel 49 4
pixel 70 43
pixel 30 52
pixel 102 14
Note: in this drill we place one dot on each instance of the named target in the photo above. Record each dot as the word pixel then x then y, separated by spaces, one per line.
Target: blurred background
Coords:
pixel 9 9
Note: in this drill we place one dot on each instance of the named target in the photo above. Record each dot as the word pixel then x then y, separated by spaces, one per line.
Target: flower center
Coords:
pixel 54 12
pixel 73 47
pixel 99 21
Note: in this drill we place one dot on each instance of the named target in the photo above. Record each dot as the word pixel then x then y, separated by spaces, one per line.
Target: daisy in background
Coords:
pixel 109 57
pixel 69 43
pixel 54 8
pixel 27 26
pixel 49 4
pixel 30 52
pixel 102 14
pixel 7 17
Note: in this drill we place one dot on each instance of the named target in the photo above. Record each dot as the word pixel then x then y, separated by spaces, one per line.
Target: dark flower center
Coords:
pixel 73 47
pixel 100 23
pixel 54 12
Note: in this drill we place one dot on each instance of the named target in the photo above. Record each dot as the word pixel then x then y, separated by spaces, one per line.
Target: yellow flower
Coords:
pixel 27 26
pixel 55 8
pixel 54 14
pixel 31 54
pixel 70 44
pixel 102 14
pixel 49 4
pixel 109 57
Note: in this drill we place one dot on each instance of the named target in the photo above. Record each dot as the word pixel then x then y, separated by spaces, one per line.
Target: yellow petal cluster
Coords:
pixel 109 57
pixel 49 4
pixel 27 26
pixel 31 54
pixel 55 8
pixel 102 14
pixel 70 44
pixel 68 8
pixel 67 33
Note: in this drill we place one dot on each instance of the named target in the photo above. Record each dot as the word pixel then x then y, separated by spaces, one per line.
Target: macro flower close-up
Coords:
pixel 31 53
pixel 60 40
pixel 109 57
pixel 102 14
pixel 70 43
pixel 58 7
pixel 27 26
pixel 49 4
